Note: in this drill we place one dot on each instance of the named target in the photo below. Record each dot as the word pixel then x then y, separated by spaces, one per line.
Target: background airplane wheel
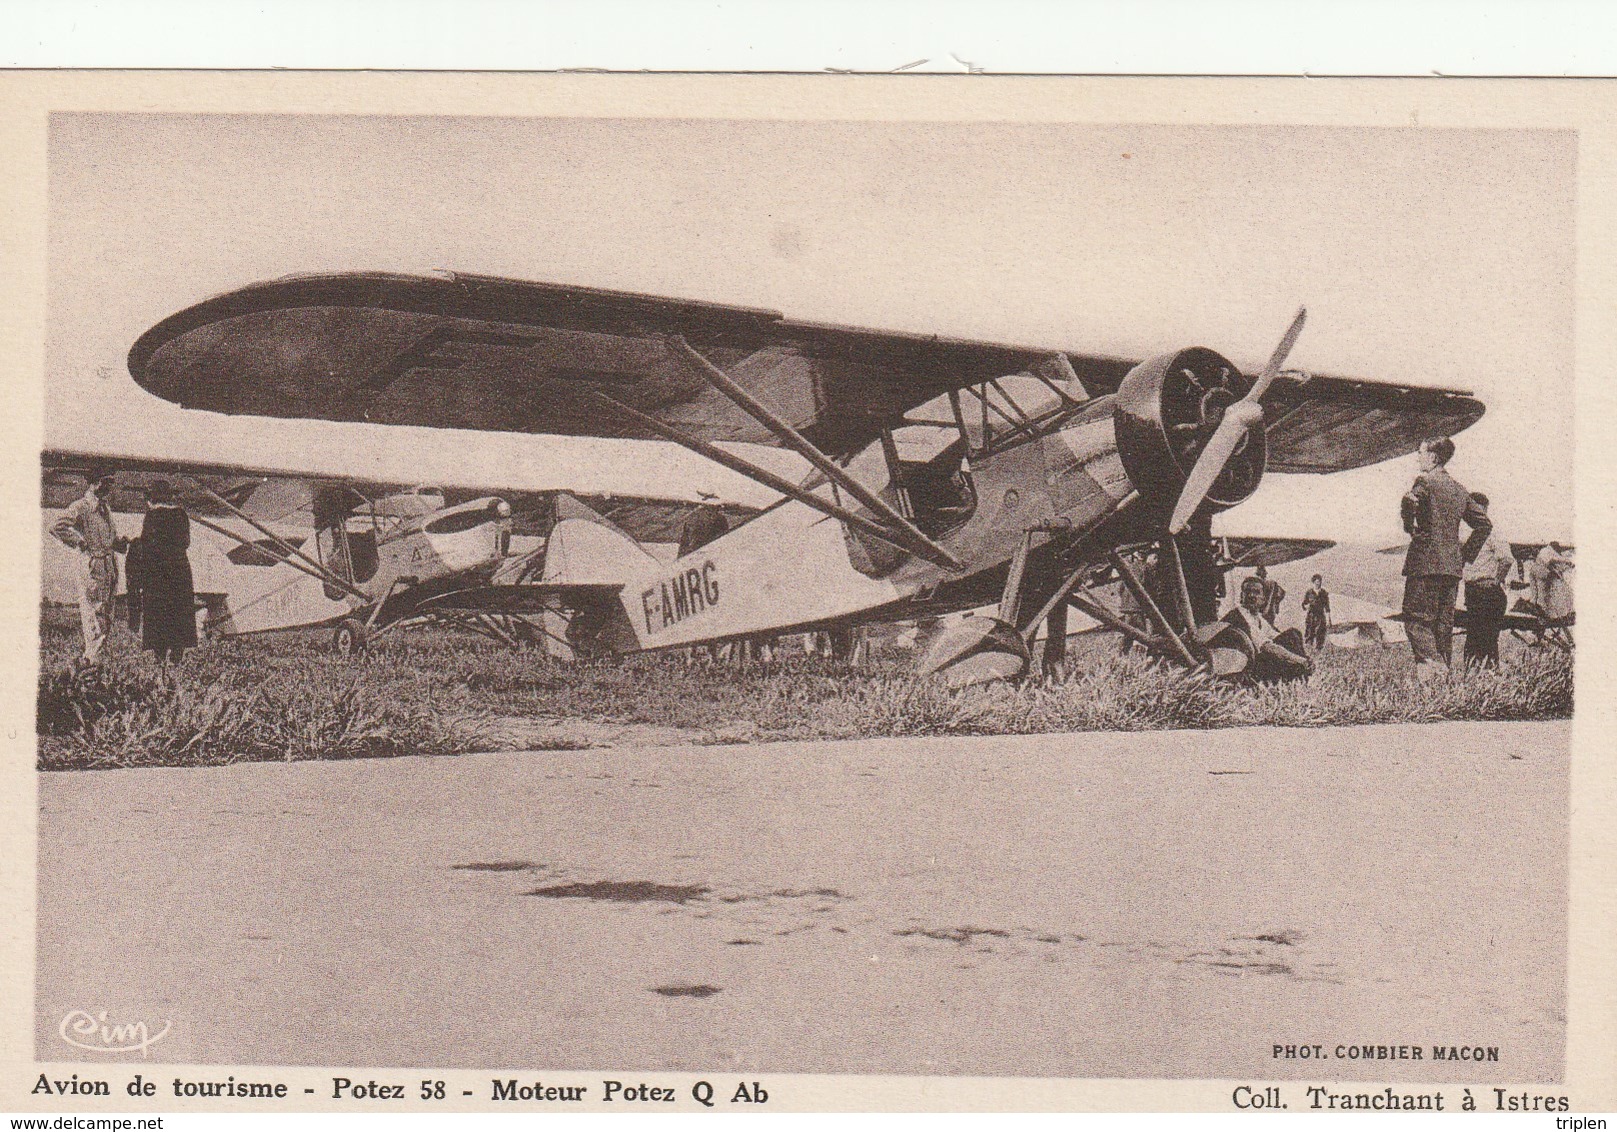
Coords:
pixel 349 639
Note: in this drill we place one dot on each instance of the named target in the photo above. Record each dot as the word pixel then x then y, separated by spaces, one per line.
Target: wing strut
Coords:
pixel 1064 364
pixel 1152 609
pixel 800 444
pixel 319 576
pixel 925 549
pixel 285 547
pixel 1110 620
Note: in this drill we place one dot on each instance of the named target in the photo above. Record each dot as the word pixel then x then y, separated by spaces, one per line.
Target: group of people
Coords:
pixel 157 570
pixel 1265 597
pixel 1437 563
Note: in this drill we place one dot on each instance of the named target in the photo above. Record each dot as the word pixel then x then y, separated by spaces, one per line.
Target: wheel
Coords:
pixel 1230 652
pixel 977 650
pixel 349 639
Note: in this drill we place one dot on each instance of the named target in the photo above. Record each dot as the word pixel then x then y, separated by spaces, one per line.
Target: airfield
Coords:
pixel 680 864
pixel 1166 903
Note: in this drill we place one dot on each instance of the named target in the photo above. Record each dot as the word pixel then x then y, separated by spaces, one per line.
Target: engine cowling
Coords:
pixel 1166 410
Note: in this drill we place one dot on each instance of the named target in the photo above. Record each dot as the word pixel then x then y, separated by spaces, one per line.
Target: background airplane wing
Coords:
pixel 476 352
pixel 276 497
pixel 270 495
pixel 1249 552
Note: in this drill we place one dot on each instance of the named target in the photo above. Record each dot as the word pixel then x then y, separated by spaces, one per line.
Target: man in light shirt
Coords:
pixel 1277 655
pixel 87 527
pixel 1485 595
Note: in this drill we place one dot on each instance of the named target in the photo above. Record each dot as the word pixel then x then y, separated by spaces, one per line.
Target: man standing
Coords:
pixel 1316 613
pixel 1485 596
pixel 1432 512
pixel 1273 594
pixel 87 527
pixel 169 624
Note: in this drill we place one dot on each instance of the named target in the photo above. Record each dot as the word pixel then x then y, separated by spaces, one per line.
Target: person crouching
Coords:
pixel 1276 655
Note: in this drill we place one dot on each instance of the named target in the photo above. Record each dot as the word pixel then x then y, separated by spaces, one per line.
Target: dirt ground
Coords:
pixel 1101 905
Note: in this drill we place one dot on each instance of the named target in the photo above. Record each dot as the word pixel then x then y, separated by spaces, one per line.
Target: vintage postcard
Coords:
pixel 554 593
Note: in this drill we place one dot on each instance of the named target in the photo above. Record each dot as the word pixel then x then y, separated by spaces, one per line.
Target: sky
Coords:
pixel 1425 256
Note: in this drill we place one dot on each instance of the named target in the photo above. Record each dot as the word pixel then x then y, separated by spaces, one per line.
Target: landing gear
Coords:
pixel 350 639
pixel 980 650
pixel 1169 609
pixel 1053 664
pixel 842 640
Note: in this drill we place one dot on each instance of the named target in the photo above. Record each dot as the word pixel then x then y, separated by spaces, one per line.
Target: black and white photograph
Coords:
pixel 929 595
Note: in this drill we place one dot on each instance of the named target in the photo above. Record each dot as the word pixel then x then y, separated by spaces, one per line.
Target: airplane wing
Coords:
pixel 1527 551
pixel 477 352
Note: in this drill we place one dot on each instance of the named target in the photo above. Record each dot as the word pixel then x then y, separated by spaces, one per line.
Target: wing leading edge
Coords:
pixel 475 352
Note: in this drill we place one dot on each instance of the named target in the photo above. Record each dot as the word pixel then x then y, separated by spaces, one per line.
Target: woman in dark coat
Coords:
pixel 134 579
pixel 167 602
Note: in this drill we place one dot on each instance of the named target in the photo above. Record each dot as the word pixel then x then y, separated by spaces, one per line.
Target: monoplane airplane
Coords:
pixel 946 474
pixel 365 557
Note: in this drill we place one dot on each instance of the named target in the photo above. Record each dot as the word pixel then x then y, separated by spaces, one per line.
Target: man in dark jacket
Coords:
pixel 1316 613
pixel 1273 595
pixel 1433 510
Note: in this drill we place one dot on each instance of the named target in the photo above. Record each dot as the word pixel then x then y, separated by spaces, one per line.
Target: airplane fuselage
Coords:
pixel 792 566
pixel 270 593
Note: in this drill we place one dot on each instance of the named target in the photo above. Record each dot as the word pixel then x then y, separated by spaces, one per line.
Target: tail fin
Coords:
pixel 587 549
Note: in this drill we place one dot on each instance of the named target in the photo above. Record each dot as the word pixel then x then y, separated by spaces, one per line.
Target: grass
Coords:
pixel 438 692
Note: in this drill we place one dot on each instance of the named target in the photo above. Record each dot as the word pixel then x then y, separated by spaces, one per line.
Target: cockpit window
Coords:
pixel 940 490
pixel 457 521
pixel 261 553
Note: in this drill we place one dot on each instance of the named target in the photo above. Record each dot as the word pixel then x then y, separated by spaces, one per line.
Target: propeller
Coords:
pixel 1238 420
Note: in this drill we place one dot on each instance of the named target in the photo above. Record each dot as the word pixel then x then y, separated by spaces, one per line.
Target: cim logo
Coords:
pixel 93 1032
pixel 684 595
